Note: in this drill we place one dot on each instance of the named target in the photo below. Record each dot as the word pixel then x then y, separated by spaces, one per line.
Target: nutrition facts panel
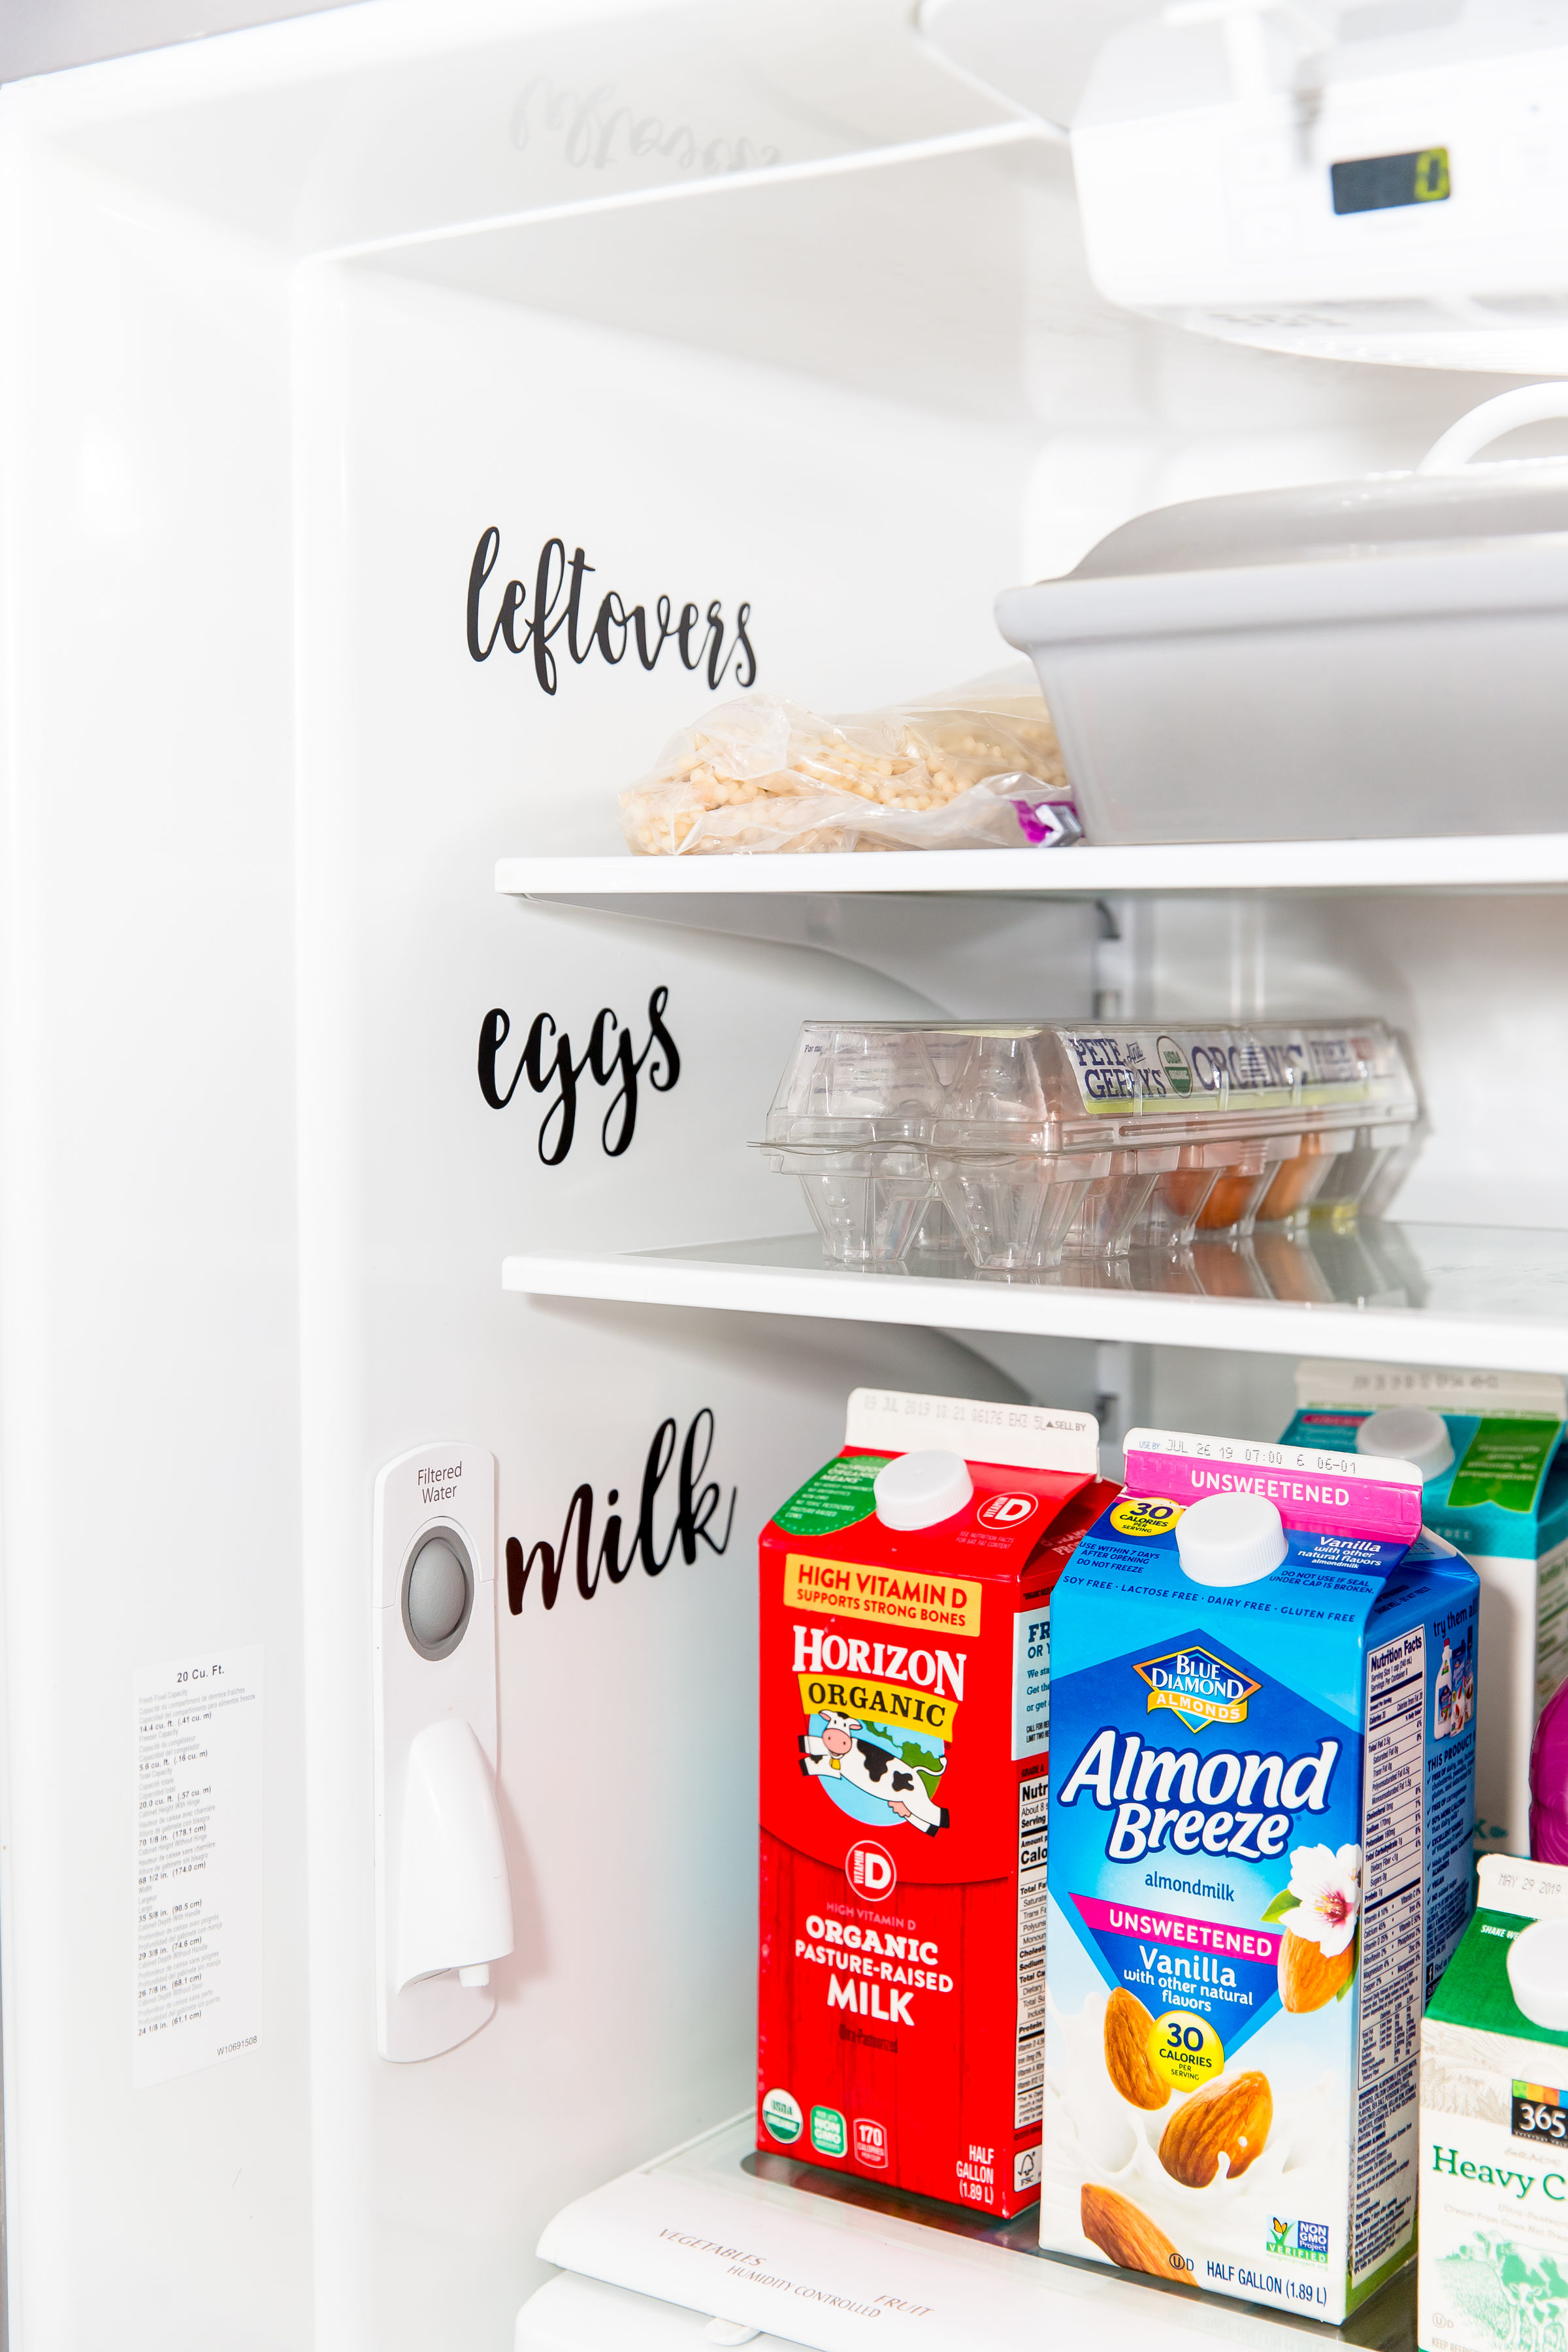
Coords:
pixel 1030 2076
pixel 1391 1933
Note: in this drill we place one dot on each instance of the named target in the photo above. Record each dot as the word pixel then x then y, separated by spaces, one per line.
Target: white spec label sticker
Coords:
pixel 198 1862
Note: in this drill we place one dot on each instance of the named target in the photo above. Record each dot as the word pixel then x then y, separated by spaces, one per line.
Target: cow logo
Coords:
pixel 1008 1511
pixel 782 2113
pixel 871 1872
pixel 1198 1685
pixel 870 2145
pixel 869 1777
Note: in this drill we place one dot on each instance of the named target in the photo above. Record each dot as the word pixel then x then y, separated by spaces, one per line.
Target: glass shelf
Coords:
pixel 1490 1296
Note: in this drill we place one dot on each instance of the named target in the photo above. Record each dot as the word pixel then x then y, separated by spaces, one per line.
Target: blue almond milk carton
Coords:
pixel 1488 1448
pixel 1261 1804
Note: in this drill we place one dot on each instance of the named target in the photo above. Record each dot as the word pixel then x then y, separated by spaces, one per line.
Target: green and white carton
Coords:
pixel 1501 1498
pixel 1493 2269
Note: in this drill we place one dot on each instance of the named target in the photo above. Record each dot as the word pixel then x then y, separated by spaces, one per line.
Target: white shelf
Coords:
pixel 819 2259
pixel 1519 861
pixel 1491 1296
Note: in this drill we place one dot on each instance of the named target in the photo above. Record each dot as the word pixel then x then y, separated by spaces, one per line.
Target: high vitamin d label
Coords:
pixel 198 1862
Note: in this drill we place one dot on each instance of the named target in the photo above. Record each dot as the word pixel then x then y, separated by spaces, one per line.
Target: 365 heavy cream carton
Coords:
pixel 1495 1484
pixel 1261 1800
pixel 1494 2123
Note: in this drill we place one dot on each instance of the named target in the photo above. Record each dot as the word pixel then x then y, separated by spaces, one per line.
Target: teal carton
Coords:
pixel 1259 1864
pixel 1496 1486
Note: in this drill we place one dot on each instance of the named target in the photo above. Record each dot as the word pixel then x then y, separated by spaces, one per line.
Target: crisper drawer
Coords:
pixel 584 2314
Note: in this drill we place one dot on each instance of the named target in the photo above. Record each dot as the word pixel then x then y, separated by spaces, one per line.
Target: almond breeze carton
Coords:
pixel 1488 1445
pixel 1259 1863
pixel 905 1632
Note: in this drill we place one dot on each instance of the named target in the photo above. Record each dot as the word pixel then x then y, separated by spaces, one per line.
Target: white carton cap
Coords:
pixel 1538 1971
pixel 1230 1539
pixel 920 1490
pixel 1407 1433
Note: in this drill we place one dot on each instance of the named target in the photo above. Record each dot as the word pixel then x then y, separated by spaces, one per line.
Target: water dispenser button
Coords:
pixel 437 1594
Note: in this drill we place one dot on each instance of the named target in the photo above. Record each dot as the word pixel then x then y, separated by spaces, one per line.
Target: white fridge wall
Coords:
pixel 252 1205
pixel 625 1722
pixel 149 1341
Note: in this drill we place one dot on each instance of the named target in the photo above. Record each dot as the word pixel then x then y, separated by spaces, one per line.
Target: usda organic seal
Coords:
pixel 782 2115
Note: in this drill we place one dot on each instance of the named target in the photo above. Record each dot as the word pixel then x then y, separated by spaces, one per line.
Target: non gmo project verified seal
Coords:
pixel 829 2134
pixel 1302 2242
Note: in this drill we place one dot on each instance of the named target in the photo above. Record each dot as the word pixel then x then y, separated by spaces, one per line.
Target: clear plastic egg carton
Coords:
pixel 1035 1140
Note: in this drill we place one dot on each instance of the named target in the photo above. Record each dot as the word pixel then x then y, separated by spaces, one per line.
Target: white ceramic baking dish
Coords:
pixel 1355 660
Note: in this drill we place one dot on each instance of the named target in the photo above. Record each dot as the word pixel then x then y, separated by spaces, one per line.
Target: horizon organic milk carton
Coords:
pixel 904 1719
pixel 1488 1446
pixel 1261 1803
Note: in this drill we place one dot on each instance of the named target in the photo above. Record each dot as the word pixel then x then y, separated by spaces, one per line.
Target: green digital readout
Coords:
pixel 1375 184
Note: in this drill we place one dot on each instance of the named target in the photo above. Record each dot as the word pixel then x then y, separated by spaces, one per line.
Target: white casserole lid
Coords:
pixel 1449 536
pixel 1385 514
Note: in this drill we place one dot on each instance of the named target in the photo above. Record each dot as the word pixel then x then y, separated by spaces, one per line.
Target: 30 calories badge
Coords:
pixel 1186 2051
pixel 1144 1514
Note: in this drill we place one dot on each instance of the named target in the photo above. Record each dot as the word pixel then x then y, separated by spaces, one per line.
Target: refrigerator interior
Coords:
pixel 762 308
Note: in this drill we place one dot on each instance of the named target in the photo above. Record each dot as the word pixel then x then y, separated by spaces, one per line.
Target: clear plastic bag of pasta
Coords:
pixel 977 768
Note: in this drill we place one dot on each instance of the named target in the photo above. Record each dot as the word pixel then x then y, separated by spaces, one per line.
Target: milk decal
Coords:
pixel 1261 1803
pixel 904 1720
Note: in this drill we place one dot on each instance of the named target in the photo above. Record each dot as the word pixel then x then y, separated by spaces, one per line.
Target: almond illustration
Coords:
pixel 1126 2236
pixel 1128 2027
pixel 1306 1979
pixel 1227 2120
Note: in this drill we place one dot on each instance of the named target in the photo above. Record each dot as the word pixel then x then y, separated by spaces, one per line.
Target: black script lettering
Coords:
pixel 745 653
pixel 494 1031
pixel 547 586
pixel 518 1571
pixel 671 1062
pixel 696 1511
pixel 661 613
pixel 480 571
pixel 659 1456
pixel 610 1559
pixel 562 1072
pixel 580 564
pixel 695 1508
pixel 611 616
pixel 558 603
pixel 715 642
pixel 610 1055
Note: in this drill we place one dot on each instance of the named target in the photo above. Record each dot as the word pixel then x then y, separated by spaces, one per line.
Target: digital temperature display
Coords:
pixel 1375 184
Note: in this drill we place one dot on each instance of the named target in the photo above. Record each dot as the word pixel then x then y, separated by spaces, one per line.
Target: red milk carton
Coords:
pixel 904 1721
